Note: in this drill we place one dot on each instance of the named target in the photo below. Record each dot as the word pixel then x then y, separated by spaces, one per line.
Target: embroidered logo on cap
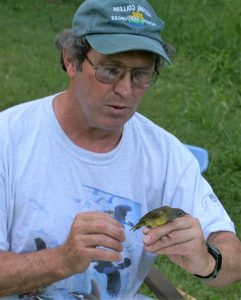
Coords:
pixel 136 18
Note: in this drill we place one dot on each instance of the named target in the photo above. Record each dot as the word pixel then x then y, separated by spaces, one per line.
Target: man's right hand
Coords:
pixel 93 236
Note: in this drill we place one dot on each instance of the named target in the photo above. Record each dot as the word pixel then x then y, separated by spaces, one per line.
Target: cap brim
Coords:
pixel 116 43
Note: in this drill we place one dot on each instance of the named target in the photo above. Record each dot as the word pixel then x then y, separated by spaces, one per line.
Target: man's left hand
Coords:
pixel 183 242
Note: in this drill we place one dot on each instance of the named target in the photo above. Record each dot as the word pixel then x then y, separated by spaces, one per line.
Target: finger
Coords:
pixel 99 226
pixel 174 238
pixel 101 254
pixel 183 223
pixel 96 240
pixel 184 249
pixel 96 215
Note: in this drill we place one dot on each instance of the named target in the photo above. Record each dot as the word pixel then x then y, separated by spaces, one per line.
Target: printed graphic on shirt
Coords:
pixel 42 294
pixel 126 212
pixel 102 280
pixel 113 276
pixel 209 201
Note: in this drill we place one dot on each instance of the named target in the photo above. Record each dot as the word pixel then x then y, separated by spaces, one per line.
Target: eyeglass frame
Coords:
pixel 154 76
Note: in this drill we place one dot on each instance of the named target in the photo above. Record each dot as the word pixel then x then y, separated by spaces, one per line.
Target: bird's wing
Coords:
pixel 155 213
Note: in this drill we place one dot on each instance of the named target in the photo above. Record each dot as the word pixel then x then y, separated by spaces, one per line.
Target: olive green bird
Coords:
pixel 159 216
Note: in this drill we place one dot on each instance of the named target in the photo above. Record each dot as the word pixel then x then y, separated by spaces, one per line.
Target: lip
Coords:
pixel 118 111
pixel 118 107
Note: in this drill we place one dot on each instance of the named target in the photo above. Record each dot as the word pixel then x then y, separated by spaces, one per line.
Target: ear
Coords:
pixel 69 64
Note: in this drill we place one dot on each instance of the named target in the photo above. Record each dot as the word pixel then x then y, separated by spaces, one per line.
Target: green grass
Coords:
pixel 198 98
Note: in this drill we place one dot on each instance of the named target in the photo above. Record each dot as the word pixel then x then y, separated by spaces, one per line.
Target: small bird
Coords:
pixel 159 216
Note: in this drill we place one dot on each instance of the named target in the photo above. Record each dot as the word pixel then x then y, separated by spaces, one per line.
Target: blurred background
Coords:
pixel 197 98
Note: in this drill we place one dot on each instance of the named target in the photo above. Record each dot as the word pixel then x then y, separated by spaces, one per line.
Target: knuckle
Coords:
pixel 101 225
pixel 78 216
pixel 172 236
pixel 175 222
pixel 179 249
pixel 83 253
pixel 195 222
pixel 77 226
pixel 98 240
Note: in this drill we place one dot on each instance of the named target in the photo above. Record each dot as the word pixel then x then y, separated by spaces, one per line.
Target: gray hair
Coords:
pixel 78 47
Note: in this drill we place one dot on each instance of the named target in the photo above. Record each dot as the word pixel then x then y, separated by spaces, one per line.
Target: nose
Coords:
pixel 124 86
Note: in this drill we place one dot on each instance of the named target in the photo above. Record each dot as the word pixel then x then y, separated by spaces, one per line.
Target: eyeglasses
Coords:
pixel 111 74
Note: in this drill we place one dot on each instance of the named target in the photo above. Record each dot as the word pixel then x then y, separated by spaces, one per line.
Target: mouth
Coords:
pixel 118 107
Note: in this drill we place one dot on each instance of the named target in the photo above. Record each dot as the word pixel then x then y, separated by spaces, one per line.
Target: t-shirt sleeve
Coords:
pixel 195 195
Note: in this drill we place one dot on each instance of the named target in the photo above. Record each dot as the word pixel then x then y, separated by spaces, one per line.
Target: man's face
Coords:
pixel 109 106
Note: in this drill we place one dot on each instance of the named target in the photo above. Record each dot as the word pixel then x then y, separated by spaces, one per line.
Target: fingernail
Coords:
pixel 145 230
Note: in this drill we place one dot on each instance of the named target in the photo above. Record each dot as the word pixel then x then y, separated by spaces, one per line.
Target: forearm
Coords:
pixel 230 248
pixel 21 273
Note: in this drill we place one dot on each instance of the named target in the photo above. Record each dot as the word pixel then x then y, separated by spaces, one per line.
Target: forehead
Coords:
pixel 129 58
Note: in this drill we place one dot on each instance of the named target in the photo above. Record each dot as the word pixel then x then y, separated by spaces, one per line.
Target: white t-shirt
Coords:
pixel 45 180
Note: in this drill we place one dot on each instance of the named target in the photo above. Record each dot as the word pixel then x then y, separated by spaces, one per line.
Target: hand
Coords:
pixel 89 231
pixel 182 241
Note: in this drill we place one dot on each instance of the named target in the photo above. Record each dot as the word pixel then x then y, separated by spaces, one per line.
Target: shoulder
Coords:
pixel 159 144
pixel 18 121
pixel 25 116
pixel 154 135
pixel 19 114
pixel 147 128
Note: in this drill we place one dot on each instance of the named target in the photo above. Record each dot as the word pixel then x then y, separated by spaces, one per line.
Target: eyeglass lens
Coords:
pixel 111 74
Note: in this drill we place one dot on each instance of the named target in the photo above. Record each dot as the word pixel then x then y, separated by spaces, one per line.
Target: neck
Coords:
pixel 89 138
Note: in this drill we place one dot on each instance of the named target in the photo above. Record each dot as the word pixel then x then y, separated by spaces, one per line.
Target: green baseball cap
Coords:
pixel 113 26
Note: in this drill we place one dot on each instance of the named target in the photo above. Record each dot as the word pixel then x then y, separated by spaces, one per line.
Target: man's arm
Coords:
pixel 183 242
pixel 21 273
pixel 230 248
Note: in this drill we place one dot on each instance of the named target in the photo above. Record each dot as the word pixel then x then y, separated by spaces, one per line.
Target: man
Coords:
pixel 79 168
